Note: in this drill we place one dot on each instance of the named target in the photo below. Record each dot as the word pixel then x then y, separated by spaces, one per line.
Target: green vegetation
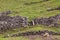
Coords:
pixel 31 11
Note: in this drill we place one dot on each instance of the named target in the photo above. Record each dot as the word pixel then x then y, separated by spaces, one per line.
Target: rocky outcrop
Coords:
pixel 50 21
pixel 8 22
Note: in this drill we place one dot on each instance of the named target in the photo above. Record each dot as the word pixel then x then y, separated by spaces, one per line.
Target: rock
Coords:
pixel 56 25
pixel 7 22
pixel 46 34
pixel 50 21
pixel 5 36
pixel 49 9
pixel 57 8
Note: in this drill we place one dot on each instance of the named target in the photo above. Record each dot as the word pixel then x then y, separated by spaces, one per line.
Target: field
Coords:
pixel 33 10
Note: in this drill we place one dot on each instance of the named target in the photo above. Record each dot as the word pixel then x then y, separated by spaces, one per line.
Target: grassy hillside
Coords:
pixel 19 7
pixel 34 10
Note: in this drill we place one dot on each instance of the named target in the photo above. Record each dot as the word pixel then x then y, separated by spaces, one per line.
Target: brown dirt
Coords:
pixel 39 37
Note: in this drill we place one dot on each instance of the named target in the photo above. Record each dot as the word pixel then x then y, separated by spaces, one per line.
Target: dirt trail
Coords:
pixel 39 37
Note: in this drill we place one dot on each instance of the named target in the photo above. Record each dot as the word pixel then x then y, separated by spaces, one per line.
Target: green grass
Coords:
pixel 16 38
pixel 31 11
pixel 33 28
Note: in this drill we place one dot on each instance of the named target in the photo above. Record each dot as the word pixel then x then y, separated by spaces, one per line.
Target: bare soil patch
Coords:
pixel 39 37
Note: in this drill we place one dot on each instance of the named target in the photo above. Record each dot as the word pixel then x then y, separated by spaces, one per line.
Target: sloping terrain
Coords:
pixel 30 9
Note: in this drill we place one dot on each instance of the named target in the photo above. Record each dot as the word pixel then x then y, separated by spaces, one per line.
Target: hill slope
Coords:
pixel 30 9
